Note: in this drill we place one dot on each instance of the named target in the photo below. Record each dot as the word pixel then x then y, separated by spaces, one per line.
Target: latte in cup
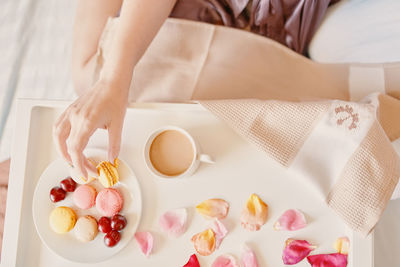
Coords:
pixel 171 153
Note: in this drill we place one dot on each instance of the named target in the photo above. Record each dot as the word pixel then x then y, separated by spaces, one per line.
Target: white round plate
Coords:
pixel 66 245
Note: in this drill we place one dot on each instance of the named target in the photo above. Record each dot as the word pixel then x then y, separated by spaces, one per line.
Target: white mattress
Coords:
pixel 35 40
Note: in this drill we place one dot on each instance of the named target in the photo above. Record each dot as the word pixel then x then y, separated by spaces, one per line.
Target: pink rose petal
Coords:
pixel 295 251
pixel 248 258
pixel 225 261
pixel 193 262
pixel 291 220
pixel 173 222
pixel 328 260
pixel 145 241
pixel 220 232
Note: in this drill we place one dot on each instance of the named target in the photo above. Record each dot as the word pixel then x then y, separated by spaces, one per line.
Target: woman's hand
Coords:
pixel 103 106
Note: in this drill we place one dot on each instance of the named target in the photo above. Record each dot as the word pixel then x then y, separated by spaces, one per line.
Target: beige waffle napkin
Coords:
pixel 338 146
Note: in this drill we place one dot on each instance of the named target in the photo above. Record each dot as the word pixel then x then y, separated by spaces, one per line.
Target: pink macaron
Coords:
pixel 85 197
pixel 109 202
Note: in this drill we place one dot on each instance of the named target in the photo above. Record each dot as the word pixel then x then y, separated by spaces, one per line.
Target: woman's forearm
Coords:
pixel 90 18
pixel 139 22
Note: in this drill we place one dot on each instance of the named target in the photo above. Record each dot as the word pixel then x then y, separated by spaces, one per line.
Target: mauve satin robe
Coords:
pixel 290 22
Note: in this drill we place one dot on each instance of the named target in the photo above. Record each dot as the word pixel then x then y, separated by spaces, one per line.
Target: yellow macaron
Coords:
pixel 108 173
pixel 62 219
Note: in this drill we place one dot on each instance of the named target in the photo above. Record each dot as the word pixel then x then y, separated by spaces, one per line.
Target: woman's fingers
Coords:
pixel 61 131
pixel 114 141
pixel 90 111
pixel 77 143
pixel 92 171
pixel 77 162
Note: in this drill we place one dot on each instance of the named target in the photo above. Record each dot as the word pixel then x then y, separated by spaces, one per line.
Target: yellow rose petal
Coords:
pixel 204 242
pixel 255 213
pixel 342 245
pixel 213 208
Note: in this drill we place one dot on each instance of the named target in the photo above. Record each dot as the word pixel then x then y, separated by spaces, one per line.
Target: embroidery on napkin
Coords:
pixel 352 119
pixel 349 115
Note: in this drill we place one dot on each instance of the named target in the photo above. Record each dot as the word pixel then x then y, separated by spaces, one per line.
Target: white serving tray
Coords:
pixel 240 170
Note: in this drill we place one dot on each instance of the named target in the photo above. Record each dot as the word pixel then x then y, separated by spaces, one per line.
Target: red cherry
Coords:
pixel 68 184
pixel 118 222
pixel 104 225
pixel 57 194
pixel 112 238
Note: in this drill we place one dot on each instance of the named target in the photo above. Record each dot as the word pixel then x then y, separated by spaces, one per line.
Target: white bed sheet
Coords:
pixel 44 72
pixel 35 37
pixel 359 31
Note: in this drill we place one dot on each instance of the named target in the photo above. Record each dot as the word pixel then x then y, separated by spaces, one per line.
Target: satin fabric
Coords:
pixel 290 22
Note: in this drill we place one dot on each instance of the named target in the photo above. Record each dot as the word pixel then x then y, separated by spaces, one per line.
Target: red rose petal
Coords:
pixel 328 260
pixel 193 262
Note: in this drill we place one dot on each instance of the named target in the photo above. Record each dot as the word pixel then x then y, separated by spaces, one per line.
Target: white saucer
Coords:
pixel 66 245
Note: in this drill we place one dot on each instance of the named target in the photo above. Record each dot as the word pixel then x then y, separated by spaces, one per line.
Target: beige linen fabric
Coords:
pixel 192 60
pixel 256 85
pixel 367 182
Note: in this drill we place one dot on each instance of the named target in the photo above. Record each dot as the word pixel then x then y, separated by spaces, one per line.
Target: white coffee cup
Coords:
pixel 197 155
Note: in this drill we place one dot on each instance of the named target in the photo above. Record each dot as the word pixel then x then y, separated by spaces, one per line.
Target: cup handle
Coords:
pixel 206 158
